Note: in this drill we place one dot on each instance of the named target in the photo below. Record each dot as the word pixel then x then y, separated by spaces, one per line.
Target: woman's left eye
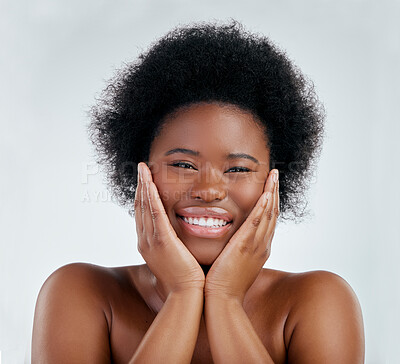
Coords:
pixel 182 164
pixel 240 169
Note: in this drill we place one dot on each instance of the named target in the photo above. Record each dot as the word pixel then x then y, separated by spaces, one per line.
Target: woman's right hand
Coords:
pixel 166 256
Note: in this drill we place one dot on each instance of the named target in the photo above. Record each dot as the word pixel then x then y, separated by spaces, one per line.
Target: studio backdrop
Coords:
pixel 55 206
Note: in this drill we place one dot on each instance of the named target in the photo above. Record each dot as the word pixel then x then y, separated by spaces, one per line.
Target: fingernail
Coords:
pixel 276 176
pixel 139 172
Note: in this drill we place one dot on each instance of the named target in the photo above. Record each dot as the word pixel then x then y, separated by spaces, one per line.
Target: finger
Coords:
pixel 247 231
pixel 141 194
pixel 161 225
pixel 269 183
pixel 146 173
pixel 273 180
pixel 137 205
pixel 275 213
pixel 255 218
pixel 141 242
pixel 146 178
pixel 147 218
pixel 147 227
pixel 268 220
pixel 265 222
pixel 162 228
pixel 267 226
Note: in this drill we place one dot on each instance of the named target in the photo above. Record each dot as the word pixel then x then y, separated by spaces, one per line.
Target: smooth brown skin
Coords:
pixel 167 310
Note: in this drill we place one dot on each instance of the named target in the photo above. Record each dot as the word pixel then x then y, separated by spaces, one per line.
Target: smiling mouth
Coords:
pixel 205 222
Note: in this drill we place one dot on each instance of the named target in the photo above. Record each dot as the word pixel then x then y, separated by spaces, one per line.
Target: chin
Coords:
pixel 205 252
pixel 207 260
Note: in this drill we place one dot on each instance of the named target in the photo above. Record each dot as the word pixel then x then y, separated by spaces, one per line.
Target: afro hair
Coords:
pixel 210 62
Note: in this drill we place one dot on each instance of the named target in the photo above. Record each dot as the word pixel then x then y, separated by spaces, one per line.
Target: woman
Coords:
pixel 208 116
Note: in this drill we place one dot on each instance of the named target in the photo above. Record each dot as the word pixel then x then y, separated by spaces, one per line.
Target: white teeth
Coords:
pixel 209 222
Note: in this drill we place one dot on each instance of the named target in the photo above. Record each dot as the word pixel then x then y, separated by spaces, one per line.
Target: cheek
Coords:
pixel 246 196
pixel 169 190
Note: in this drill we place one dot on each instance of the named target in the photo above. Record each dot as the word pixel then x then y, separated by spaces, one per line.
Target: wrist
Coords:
pixel 215 298
pixel 194 292
pixel 218 307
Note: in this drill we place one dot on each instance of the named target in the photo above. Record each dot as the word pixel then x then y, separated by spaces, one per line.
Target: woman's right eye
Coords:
pixel 182 164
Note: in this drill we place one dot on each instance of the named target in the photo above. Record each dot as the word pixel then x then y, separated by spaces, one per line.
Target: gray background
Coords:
pixel 55 209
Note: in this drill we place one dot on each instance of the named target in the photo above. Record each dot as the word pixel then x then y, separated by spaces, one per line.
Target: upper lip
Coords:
pixel 197 211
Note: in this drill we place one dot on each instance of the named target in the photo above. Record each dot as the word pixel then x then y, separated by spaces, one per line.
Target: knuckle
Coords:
pixel 276 211
pixel 248 247
pixel 266 253
pixel 256 221
pixel 244 249
pixel 158 241
pixel 155 214
pixel 269 214
pixel 156 236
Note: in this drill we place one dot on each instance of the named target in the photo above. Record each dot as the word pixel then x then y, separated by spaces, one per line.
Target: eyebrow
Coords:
pixel 196 154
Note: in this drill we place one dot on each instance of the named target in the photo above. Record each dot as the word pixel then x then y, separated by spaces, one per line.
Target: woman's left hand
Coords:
pixel 242 259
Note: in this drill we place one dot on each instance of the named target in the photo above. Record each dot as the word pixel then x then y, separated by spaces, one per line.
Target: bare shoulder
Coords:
pixel 75 272
pixel 310 283
pixel 324 323
pixel 78 281
pixel 313 286
pixel 73 316
pixel 324 290
pixel 84 282
pixel 88 279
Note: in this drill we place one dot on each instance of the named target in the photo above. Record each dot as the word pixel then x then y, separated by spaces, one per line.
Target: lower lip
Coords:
pixel 204 232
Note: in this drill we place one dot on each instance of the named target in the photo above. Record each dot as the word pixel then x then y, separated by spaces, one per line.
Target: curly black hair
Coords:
pixel 210 62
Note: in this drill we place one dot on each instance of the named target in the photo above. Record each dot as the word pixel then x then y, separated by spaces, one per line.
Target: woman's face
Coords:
pixel 209 161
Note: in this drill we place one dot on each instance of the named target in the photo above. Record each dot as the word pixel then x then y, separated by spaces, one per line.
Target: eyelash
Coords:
pixel 243 169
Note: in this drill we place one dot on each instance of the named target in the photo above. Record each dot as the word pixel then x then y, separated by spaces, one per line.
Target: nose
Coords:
pixel 209 186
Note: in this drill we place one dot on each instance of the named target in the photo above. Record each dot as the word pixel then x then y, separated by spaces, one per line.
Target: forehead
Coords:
pixel 212 128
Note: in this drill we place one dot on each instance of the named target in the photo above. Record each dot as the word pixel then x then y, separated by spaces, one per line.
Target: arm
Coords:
pixel 70 324
pixel 327 325
pixel 172 336
pixel 231 334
